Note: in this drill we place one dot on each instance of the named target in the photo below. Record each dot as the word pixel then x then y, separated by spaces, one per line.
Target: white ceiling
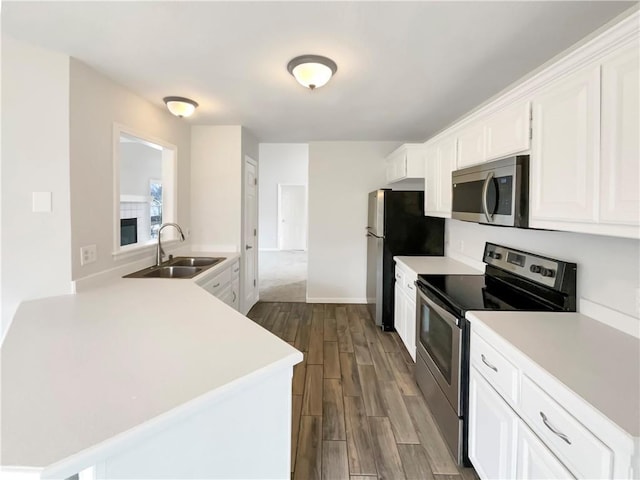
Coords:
pixel 405 69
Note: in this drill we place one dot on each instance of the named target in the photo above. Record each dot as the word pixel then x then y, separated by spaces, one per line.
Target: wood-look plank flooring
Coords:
pixel 357 411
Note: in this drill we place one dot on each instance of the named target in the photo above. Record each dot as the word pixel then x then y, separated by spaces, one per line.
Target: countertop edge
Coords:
pixel 96 453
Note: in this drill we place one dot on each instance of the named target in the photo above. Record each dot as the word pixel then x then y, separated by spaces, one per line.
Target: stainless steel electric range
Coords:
pixel 514 280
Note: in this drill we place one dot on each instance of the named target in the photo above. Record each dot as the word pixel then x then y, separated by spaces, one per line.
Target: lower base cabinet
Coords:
pixel 535 460
pixel 404 310
pixel 493 429
pixel 501 445
pixel 225 285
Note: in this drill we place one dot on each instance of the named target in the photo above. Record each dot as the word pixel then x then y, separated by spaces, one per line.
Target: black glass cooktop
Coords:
pixel 463 293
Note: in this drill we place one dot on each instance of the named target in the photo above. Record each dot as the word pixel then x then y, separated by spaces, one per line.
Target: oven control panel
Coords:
pixel 543 270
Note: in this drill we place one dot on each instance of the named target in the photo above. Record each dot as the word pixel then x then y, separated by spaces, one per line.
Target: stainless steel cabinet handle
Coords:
pixel 216 285
pixel 236 270
pixel 248 247
pixel 398 276
pixel 234 297
pixel 484 360
pixel 545 420
pixel 409 286
pixel 485 189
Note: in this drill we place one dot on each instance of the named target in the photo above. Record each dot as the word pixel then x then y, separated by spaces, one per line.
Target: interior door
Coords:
pixel 249 253
pixel 292 217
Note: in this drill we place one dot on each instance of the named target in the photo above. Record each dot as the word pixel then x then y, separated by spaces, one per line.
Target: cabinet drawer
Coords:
pixel 218 283
pixel 498 371
pixel 235 269
pixel 584 454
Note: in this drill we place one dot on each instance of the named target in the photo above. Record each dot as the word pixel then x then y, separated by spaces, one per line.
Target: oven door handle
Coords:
pixel 444 314
pixel 485 190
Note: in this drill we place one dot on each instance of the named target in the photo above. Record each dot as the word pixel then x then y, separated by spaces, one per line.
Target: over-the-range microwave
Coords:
pixel 493 193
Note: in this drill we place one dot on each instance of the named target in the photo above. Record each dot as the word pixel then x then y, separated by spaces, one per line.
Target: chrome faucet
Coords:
pixel 159 251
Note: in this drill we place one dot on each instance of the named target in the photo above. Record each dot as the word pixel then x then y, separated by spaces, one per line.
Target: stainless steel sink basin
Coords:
pixel 196 261
pixel 171 271
pixel 179 267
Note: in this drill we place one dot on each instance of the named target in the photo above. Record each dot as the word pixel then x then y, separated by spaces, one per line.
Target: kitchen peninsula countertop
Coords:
pixel 595 361
pixel 84 370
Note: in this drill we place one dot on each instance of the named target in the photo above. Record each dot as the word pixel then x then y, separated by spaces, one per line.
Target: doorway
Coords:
pixel 292 217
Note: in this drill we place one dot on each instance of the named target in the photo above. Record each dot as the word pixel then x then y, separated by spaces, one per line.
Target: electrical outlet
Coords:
pixel 88 254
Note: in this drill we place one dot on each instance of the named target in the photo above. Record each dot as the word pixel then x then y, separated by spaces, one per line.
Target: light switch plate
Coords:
pixel 42 202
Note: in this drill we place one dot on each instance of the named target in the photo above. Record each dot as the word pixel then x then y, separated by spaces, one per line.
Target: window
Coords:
pixel 144 190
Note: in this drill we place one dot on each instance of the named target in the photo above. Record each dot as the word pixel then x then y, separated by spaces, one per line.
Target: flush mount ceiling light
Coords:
pixel 180 106
pixel 312 71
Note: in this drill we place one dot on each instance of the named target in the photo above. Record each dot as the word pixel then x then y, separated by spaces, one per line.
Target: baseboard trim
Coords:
pixel 336 300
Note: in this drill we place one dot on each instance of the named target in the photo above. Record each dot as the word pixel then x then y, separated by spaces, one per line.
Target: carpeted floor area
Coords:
pixel 283 276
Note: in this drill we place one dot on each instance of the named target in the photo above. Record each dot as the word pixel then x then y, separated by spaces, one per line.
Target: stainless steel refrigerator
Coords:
pixel 396 226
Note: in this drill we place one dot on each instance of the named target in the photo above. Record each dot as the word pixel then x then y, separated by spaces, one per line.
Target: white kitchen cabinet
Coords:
pixel 472 145
pixel 224 284
pixel 440 161
pixel 405 308
pixel 554 434
pixel 564 152
pixel 406 162
pixel 492 430
pixel 535 461
pixel 620 143
pixel 508 131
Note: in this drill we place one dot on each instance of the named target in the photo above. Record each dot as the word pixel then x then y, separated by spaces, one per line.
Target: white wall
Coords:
pixel 96 102
pixel 139 164
pixel 35 158
pixel 341 174
pixel 608 267
pixel 280 163
pixel 216 187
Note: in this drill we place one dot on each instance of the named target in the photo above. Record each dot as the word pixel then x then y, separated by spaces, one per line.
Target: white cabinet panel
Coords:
pixel 440 161
pixel 471 146
pixel 508 131
pixel 406 162
pixel 535 460
pixel 492 431
pixel 565 149
pixel 620 154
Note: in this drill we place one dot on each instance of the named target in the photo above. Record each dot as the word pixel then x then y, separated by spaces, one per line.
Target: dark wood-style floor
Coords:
pixel 357 412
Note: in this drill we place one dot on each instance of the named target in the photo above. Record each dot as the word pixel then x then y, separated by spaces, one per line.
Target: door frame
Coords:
pixel 244 307
pixel 306 213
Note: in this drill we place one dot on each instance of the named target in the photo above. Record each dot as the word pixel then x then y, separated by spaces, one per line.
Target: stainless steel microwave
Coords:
pixel 494 193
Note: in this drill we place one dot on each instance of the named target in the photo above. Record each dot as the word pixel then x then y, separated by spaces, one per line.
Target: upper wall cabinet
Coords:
pixel 406 162
pixel 585 154
pixel 620 143
pixel 440 161
pixel 506 132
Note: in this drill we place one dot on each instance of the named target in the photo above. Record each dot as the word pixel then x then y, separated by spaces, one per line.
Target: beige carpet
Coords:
pixel 283 276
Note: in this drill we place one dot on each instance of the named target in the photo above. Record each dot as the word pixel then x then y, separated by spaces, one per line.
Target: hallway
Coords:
pixel 283 276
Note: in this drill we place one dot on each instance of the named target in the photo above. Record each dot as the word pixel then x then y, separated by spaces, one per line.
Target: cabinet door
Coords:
pixel 410 327
pixel 235 293
pixel 508 131
pixel 431 181
pixel 566 120
pixel 398 312
pixel 446 165
pixel 492 431
pixel 535 460
pixel 620 154
pixel 471 146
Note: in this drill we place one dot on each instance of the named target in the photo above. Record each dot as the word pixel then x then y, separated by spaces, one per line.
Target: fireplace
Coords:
pixel 128 231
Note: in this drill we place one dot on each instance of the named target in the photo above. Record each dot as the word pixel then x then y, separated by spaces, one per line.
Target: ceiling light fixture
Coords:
pixel 180 106
pixel 312 71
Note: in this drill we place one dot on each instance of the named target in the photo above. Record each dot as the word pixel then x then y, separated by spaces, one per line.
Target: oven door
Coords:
pixel 439 345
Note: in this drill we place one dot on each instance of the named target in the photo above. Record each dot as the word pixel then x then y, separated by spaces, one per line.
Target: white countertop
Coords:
pixel 597 362
pixel 79 369
pixel 437 266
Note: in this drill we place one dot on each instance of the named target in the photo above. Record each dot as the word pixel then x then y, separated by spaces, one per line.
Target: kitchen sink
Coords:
pixel 195 261
pixel 171 271
pixel 179 267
